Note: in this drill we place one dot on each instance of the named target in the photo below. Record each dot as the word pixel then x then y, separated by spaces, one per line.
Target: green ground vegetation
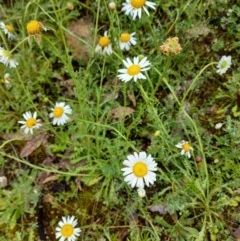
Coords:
pixel 75 169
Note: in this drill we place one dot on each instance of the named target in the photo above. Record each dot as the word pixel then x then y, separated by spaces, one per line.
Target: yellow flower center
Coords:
pixel 186 147
pixel 104 41
pixel 34 27
pixel 6 54
pixel 67 230
pixel 138 3
pixel 125 37
pixel 224 64
pixel 140 169
pixel 58 111
pixel 31 122
pixel 134 69
pixel 9 28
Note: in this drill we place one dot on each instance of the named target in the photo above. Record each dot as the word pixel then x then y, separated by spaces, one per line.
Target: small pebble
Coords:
pixel 3 181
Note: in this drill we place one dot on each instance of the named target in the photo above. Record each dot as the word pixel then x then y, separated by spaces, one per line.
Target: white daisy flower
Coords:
pixel 224 64
pixel 186 148
pixel 139 170
pixel 31 122
pixel 126 40
pixel 59 113
pixel 66 229
pixel 134 69
pixel 7 59
pixel 8 30
pixel 104 45
pixel 134 7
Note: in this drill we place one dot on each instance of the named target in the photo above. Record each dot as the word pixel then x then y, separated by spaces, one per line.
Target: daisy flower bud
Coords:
pixel 70 6
pixel 112 5
pixel 141 192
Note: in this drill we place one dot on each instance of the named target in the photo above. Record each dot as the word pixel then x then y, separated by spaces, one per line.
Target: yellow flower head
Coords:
pixel 171 46
pixel 35 27
pixel 104 45
pixel 9 28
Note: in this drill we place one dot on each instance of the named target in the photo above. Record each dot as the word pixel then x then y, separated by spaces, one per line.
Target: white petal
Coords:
pixel 142 155
pixel 140 183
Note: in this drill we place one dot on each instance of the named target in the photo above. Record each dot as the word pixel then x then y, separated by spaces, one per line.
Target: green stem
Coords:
pixel 169 86
pixel 195 80
pixel 52 170
pixel 21 42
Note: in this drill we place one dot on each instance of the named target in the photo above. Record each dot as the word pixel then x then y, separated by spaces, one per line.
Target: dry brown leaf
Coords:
pixel 132 98
pixel 237 233
pixel 237 191
pixel 33 143
pixel 160 208
pixel 16 136
pixel 45 177
pixel 110 96
pixel 82 28
pixel 68 86
pixel 78 183
pixel 50 179
pixel 120 113
pixel 3 181
pixel 48 198
pixel 198 30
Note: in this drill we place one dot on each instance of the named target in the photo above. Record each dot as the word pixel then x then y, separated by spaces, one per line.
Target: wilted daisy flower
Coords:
pixel 8 30
pixel 34 29
pixel 134 69
pixel 134 7
pixel 126 40
pixel 59 113
pixel 7 59
pixel 66 229
pixel 139 170
pixel 186 148
pixel 224 64
pixel 104 45
pixel 31 122
pixel 171 46
pixel 6 80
